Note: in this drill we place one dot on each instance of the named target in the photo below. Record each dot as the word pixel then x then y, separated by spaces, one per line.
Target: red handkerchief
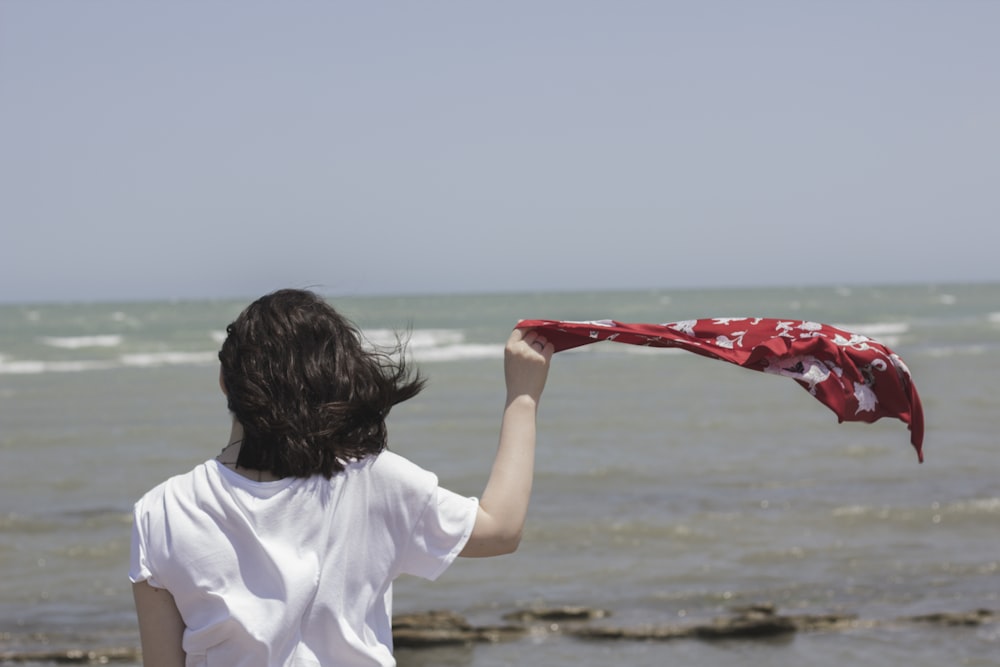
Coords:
pixel 856 377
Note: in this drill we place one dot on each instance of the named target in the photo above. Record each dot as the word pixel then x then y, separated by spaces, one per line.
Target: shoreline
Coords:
pixel 436 629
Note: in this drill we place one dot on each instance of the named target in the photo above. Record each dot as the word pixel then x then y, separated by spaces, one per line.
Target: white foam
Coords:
pixel 976 506
pixel 851 510
pixel 422 345
pixel 148 360
pixel 434 345
pixel 78 342
pixel 35 367
pixel 953 350
pixel 874 329
pixel 416 339
pixel 156 359
pixel 457 352
pixel 947 299
pixel 885 333
pixel 125 318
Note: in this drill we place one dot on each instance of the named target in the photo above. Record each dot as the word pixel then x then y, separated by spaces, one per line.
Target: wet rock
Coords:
pixel 758 621
pixel 431 620
pixel 968 618
pixel 432 628
pixel 751 624
pixel 761 608
pixel 101 656
pixel 827 622
pixel 642 632
pixel 556 614
pixel 442 628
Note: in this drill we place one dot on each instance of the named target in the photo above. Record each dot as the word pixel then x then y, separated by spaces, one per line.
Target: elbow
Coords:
pixel 510 543
pixel 494 535
pixel 495 545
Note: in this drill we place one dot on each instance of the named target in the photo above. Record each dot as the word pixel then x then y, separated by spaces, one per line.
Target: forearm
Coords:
pixel 508 490
pixel 503 506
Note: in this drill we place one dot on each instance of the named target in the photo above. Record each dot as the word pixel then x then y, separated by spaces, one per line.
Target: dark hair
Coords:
pixel 308 392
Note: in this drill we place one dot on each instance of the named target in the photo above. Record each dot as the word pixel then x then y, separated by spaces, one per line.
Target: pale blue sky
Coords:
pixel 204 149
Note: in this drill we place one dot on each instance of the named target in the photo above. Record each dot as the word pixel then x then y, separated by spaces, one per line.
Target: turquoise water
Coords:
pixel 669 487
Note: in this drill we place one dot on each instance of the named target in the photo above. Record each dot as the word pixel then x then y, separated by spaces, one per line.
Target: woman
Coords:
pixel 282 550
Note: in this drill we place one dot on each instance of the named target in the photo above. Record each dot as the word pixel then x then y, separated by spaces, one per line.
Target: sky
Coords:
pixel 210 149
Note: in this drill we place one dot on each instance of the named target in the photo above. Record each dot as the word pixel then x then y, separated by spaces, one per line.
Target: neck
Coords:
pixel 230 454
pixel 235 433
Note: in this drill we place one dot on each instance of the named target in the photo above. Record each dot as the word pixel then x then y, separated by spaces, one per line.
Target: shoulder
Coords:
pixel 186 486
pixel 392 465
pixel 395 480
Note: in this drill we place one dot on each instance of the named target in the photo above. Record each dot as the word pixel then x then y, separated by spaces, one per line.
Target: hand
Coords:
pixel 526 363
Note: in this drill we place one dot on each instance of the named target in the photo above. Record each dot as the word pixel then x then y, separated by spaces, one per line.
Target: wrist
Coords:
pixel 522 401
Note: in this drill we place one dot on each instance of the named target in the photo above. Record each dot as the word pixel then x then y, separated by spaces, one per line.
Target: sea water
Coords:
pixel 669 489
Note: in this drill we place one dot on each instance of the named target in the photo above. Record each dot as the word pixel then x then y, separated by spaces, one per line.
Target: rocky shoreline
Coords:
pixel 444 628
pixel 759 621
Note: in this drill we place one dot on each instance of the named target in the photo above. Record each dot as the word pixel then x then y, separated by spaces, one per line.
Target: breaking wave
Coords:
pixel 423 345
pixel 81 342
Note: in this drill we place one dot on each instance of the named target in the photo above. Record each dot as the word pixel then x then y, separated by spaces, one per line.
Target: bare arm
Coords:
pixel 504 503
pixel 161 628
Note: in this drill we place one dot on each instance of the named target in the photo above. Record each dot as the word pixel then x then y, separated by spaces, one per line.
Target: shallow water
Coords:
pixel 669 487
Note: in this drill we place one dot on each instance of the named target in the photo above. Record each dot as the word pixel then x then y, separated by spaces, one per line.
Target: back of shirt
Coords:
pixel 298 571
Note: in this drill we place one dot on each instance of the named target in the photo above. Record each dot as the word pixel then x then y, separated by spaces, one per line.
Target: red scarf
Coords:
pixel 856 377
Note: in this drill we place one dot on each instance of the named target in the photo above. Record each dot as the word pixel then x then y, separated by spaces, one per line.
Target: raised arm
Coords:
pixel 504 503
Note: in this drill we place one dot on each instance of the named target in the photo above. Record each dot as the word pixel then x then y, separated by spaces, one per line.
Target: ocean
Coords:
pixel 670 489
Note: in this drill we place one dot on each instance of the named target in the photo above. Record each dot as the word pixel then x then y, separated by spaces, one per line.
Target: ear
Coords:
pixel 222 383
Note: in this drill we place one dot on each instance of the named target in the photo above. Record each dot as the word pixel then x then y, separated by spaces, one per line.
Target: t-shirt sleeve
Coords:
pixel 440 534
pixel 139 567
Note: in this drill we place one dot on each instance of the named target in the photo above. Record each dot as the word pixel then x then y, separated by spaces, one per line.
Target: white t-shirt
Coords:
pixel 298 571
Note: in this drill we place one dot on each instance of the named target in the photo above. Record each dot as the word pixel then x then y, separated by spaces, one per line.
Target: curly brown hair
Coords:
pixel 308 392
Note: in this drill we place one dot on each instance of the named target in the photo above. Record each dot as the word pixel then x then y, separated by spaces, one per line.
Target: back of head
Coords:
pixel 307 391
